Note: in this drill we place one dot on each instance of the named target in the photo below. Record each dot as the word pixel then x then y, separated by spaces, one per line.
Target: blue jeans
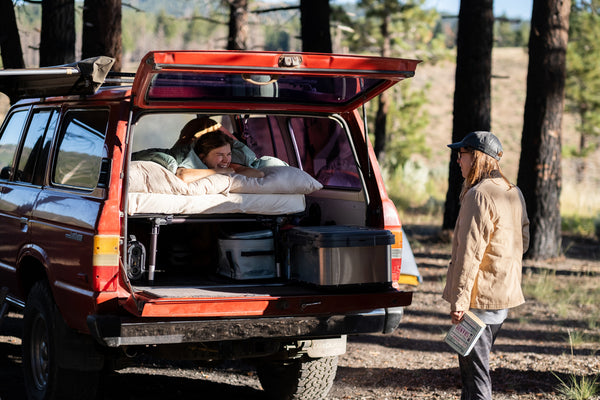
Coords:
pixel 475 368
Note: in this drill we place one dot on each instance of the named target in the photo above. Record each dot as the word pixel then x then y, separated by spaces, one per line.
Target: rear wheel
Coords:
pixel 303 378
pixel 45 379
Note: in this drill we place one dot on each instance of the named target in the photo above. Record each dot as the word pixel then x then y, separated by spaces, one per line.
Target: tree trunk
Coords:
pixel 57 40
pixel 383 101
pixel 472 92
pixel 314 21
pixel 539 167
pixel 10 41
pixel 238 25
pixel 102 30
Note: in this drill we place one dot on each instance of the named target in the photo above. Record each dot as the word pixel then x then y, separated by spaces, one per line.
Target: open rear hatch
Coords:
pixel 259 82
pixel 265 80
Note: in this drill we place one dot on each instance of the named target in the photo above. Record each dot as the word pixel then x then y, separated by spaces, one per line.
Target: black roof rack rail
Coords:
pixel 119 78
pixel 79 78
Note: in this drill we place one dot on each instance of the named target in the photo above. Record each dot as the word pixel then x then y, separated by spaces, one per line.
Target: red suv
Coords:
pixel 111 254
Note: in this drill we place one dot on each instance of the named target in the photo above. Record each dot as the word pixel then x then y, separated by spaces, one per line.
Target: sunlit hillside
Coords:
pixel 508 98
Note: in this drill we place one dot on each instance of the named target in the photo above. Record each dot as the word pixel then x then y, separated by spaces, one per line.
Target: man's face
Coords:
pixel 218 158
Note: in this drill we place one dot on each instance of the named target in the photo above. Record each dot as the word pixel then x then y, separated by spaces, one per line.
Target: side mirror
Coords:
pixel 5 173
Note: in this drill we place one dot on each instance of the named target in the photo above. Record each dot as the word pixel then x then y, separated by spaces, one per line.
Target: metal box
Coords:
pixel 339 255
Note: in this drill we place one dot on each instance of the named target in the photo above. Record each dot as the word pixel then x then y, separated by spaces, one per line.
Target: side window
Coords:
pixel 264 137
pixel 80 149
pixel 40 167
pixel 9 142
pixel 33 146
pixel 326 153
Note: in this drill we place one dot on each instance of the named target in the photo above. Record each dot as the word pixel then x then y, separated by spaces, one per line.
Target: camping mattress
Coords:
pixel 249 203
pixel 153 189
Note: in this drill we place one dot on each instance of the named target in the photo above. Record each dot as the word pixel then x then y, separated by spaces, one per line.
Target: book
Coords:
pixel 463 336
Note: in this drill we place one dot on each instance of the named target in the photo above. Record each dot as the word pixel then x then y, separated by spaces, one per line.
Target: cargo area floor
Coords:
pixel 233 290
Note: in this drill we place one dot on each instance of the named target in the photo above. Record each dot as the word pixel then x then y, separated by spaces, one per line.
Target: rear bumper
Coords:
pixel 113 331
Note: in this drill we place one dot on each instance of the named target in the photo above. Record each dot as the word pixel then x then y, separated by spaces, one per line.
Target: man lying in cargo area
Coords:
pixel 204 148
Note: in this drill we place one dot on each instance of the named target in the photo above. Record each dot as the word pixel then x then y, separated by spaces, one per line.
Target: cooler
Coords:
pixel 247 255
pixel 339 255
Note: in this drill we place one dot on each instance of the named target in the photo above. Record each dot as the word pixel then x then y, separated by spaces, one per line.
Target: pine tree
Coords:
pixel 393 28
pixel 472 93
pixel 583 77
pixel 540 173
pixel 10 42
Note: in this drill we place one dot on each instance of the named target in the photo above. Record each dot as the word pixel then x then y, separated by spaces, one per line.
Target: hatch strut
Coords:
pixel 364 112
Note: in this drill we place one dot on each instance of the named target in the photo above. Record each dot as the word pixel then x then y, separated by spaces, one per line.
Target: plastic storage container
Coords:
pixel 339 255
pixel 247 255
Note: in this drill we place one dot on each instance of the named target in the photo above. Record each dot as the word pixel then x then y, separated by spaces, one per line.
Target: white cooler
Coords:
pixel 247 255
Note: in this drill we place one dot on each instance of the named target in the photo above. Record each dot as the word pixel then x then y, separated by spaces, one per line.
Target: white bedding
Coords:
pixel 248 203
pixel 155 190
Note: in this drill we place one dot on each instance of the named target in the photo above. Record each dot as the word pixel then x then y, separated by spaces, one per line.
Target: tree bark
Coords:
pixel 472 92
pixel 57 40
pixel 314 21
pixel 238 25
pixel 10 41
pixel 383 100
pixel 539 167
pixel 102 30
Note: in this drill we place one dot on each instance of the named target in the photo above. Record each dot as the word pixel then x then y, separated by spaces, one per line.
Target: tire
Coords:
pixel 305 378
pixel 44 378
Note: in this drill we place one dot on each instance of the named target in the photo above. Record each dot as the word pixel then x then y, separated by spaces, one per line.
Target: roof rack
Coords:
pixel 119 78
pixel 80 78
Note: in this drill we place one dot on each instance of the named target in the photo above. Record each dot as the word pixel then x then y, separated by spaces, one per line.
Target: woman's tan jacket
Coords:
pixel 490 237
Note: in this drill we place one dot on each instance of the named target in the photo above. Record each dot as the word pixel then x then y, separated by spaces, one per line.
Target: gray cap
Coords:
pixel 483 141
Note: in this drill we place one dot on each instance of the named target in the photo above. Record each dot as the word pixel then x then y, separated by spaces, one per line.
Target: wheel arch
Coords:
pixel 32 266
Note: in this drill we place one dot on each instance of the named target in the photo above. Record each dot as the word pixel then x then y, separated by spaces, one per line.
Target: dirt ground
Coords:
pixel 411 363
pixel 533 345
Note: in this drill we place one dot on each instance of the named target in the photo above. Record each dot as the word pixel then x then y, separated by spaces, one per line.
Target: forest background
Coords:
pixel 419 125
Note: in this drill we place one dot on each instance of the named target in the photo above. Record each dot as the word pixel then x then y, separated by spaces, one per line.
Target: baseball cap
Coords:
pixel 483 141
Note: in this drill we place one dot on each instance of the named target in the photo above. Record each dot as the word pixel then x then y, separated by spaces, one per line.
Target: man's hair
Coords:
pixel 210 141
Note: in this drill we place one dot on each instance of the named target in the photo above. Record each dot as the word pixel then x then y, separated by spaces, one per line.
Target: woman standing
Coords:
pixel 490 237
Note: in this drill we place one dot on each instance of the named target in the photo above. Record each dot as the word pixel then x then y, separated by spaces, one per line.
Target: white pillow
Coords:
pixel 277 179
pixel 150 177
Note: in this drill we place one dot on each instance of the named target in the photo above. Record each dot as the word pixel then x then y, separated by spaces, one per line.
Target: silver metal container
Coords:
pixel 339 255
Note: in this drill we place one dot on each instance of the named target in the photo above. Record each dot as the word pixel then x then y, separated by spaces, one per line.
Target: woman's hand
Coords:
pixel 456 316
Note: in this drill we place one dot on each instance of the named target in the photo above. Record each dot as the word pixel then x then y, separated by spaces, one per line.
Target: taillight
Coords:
pixel 396 253
pixel 106 263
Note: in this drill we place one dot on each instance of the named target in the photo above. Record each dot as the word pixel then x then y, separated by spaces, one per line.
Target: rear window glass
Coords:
pixel 80 149
pixel 321 144
pixel 325 152
pixel 245 87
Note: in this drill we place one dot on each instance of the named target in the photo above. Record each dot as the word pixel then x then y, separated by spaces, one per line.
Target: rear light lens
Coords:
pixel 396 254
pixel 106 263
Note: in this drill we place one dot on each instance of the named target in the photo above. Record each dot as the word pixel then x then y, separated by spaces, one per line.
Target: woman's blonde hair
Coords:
pixel 483 167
